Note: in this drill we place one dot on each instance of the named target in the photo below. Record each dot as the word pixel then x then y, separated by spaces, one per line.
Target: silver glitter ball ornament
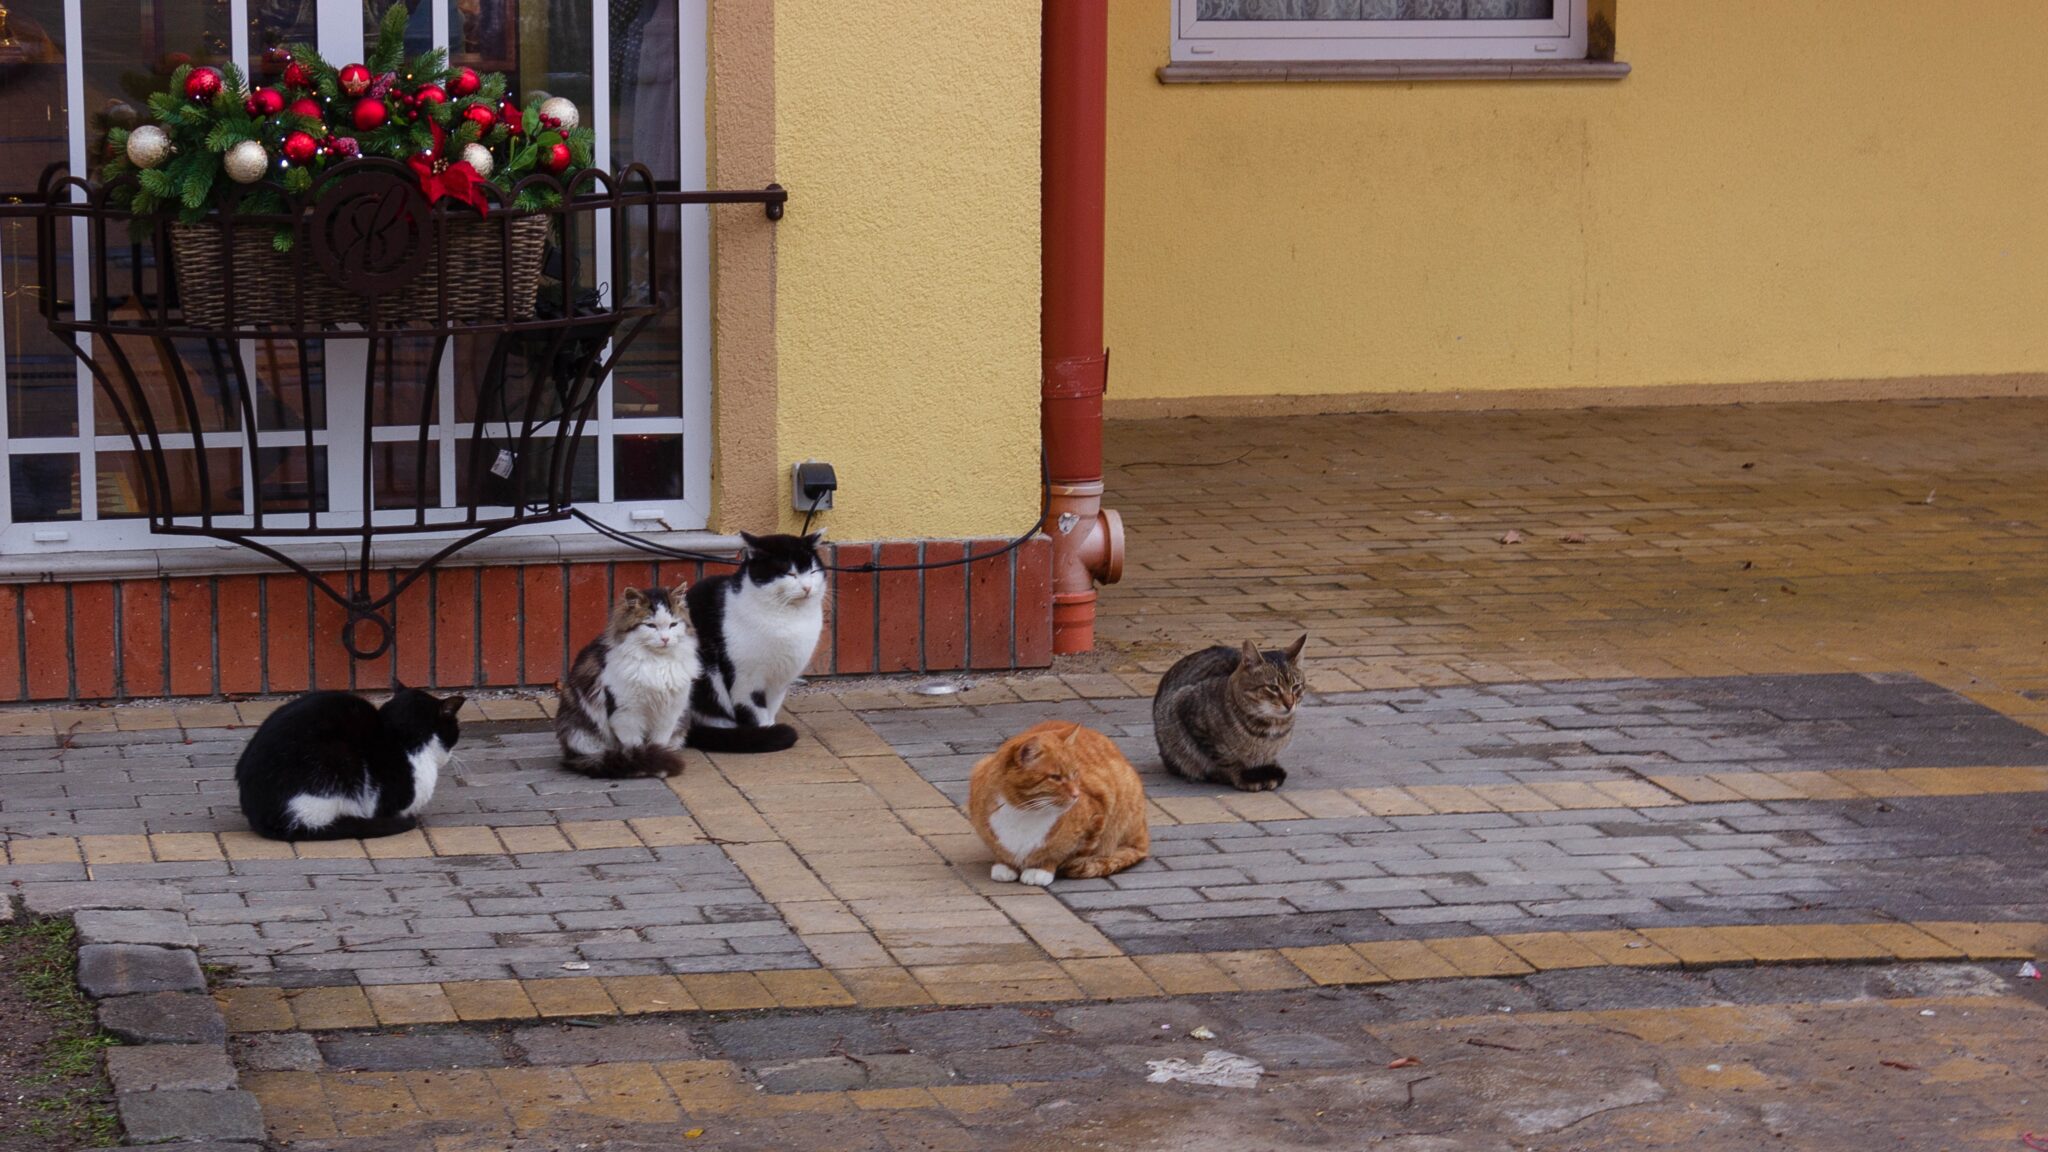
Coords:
pixel 559 112
pixel 247 162
pixel 478 157
pixel 148 146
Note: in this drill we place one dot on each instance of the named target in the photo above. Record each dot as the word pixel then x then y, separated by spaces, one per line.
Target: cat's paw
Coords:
pixel 1264 778
pixel 1036 877
pixel 1001 873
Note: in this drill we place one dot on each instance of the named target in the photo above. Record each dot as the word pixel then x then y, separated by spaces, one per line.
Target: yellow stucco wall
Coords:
pixel 907 267
pixel 1784 190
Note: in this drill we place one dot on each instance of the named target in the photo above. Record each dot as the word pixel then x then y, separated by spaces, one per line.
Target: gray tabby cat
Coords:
pixel 1222 715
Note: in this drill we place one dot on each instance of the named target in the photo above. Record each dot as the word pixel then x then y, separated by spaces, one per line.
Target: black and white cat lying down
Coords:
pixel 333 766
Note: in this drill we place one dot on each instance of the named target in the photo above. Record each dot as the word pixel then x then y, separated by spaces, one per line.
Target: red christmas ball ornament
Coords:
pixel 355 79
pixel 202 84
pixel 555 157
pixel 264 102
pixel 299 147
pixel 430 94
pixel 305 106
pixel 277 54
pixel 296 75
pixel 175 60
pixel 512 117
pixel 480 115
pixel 465 83
pixel 370 115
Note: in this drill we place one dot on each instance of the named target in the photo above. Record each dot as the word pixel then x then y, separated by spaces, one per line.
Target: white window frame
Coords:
pixel 1562 37
pixel 340 26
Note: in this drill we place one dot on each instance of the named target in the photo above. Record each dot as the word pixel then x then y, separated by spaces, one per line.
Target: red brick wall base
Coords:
pixel 507 625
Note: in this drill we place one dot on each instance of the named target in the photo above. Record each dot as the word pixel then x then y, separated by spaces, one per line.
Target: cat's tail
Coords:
pixel 627 763
pixel 767 738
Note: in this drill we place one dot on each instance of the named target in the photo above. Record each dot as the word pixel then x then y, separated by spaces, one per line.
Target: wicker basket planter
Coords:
pixel 272 286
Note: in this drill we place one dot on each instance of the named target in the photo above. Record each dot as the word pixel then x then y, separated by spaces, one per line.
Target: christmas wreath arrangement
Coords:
pixel 218 146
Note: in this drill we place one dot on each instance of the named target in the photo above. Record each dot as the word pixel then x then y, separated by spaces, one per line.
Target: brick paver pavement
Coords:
pixel 1702 718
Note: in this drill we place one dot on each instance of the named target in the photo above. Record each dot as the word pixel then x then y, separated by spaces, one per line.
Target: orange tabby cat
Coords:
pixel 1058 799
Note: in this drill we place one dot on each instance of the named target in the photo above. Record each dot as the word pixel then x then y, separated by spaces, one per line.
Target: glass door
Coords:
pixel 635 69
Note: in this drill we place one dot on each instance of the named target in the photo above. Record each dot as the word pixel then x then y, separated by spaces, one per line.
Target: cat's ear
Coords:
pixel 1030 751
pixel 750 540
pixel 450 706
pixel 1073 734
pixel 1252 659
pixel 631 597
pixel 813 538
pixel 676 593
pixel 1294 649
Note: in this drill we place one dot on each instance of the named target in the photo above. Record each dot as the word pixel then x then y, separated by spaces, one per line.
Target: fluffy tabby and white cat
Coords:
pixel 757 629
pixel 625 707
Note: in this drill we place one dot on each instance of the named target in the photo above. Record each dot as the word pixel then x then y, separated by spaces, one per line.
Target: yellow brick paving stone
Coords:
pixel 727 991
pixel 1906 942
pixel 1334 964
pixel 489 1000
pixel 1697 947
pixel 254 1009
pixel 588 835
pixel 1550 951
pixel 411 845
pixel 115 849
pixel 1259 970
pixel 633 1093
pixel 1769 944
pixel 666 831
pixel 1572 794
pixel 185 846
pixel 351 849
pixel 846 949
pixel 706 1086
pixel 320 1009
pixel 410 1004
pixel 884 987
pixel 1987 941
pixel 1405 959
pixel 1186 973
pixel 1110 978
pixel 44 850
pixel 538 838
pixel 1837 942
pixel 1388 802
pixel 568 996
pixel 1626 949
pixel 1479 956
pixel 1701 789
pixel 456 840
pixel 806 988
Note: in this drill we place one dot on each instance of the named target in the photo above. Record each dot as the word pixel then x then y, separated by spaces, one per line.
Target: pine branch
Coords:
pixel 390 51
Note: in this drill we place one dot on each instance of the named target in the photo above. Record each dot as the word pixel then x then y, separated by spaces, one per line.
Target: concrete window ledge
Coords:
pixel 1340 71
pixel 210 559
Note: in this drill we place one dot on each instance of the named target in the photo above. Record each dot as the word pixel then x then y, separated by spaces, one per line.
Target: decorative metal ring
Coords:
pixel 358 617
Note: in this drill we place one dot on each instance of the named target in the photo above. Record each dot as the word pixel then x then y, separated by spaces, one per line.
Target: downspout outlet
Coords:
pixel 1087 549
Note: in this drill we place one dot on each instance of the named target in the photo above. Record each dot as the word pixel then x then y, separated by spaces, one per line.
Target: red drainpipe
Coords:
pixel 1087 540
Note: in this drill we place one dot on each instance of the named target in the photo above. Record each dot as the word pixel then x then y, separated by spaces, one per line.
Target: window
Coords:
pixel 1333 30
pixel 72 480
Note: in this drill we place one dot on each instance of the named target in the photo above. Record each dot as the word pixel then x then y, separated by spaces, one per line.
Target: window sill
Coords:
pixel 210 559
pixel 1343 71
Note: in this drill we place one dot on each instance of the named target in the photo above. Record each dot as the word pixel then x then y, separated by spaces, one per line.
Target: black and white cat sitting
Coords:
pixel 333 766
pixel 757 629
pixel 626 704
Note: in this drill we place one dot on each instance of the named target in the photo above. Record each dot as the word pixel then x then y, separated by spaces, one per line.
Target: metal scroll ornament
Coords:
pixel 371 232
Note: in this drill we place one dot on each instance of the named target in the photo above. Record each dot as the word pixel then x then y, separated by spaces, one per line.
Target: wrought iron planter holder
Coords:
pixel 369 262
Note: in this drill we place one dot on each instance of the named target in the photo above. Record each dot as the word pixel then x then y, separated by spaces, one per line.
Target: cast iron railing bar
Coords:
pixel 251 440
pixel 429 408
pixel 316 478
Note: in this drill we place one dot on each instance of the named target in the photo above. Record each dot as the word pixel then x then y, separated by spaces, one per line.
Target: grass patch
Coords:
pixel 67 1103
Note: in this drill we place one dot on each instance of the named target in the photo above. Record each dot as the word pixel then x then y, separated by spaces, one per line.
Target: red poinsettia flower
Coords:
pixel 439 178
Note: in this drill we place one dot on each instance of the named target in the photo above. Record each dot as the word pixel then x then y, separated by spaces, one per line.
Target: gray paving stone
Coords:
pixel 278 1052
pixel 403 1051
pixel 57 899
pixel 165 928
pixel 106 970
pixel 155 1067
pixel 163 1018
pixel 155 1117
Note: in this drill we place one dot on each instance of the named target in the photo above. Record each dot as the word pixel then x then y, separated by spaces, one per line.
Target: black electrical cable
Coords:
pixel 649 546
